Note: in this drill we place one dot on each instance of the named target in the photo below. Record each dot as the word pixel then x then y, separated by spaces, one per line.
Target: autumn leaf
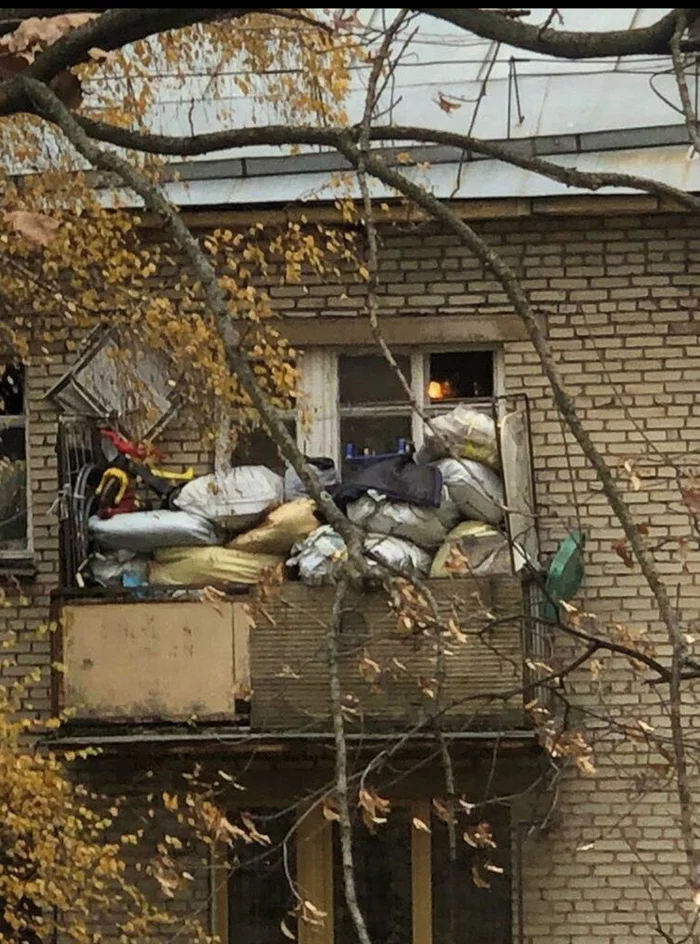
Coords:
pixel 420 825
pixel 36 228
pixel 447 105
pixel 478 878
pixel 36 33
pixel 622 550
pixel 369 669
pixel 286 932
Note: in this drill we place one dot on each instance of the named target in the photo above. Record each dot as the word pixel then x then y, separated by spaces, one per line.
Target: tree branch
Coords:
pixel 341 766
pixel 564 44
pixel 691 119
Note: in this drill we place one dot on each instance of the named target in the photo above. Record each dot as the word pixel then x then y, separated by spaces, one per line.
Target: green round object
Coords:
pixel 566 570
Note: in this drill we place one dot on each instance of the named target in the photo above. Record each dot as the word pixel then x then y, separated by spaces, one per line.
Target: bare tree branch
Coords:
pixel 491 24
pixel 691 119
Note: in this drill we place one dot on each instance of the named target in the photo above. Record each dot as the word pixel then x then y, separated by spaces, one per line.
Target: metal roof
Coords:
pixel 593 114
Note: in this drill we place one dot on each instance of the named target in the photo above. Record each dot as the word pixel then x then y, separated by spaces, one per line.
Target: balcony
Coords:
pixel 263 667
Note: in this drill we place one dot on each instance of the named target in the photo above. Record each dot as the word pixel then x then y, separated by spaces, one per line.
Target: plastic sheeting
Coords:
pixel 322 469
pixel 282 528
pixel 205 565
pixel 236 500
pixel 485 550
pixel 317 556
pixel 112 567
pixel 426 527
pixel 463 432
pixel 144 531
pixel 476 490
pixel 398 555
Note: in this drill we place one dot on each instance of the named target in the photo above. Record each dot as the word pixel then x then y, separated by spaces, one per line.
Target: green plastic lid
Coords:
pixel 565 572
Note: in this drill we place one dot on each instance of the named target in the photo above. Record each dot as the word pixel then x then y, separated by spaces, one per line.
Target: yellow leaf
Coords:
pixel 420 825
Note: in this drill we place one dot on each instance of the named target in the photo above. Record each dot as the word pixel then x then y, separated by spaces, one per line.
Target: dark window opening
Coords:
pixel 463 911
pixel 259 894
pixel 368 378
pixel 256 447
pixel 383 875
pixel 12 390
pixel 460 375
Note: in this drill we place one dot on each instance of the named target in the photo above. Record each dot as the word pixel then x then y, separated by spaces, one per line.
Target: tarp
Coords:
pixel 204 565
pixel 237 499
pixel 399 479
pixel 144 531
pixel 282 528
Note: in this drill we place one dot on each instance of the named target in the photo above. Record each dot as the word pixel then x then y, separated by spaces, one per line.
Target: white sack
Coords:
pixel 426 527
pixel 463 432
pixel 476 490
pixel 398 555
pixel 144 531
pixel 235 500
pixel 317 556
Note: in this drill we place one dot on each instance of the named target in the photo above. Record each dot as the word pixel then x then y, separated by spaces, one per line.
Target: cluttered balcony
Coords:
pixel 207 599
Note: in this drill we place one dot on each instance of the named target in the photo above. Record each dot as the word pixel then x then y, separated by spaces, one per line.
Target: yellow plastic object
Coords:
pixel 118 474
pixel 282 528
pixel 185 476
pixel 204 565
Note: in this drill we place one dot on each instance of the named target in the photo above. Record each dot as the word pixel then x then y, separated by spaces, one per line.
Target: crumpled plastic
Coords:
pixel 426 527
pixel 476 490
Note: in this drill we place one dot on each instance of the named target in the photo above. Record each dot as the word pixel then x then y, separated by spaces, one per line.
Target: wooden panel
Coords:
pixel 289 668
pixel 315 874
pixel 149 661
pixel 405 329
pixel 422 886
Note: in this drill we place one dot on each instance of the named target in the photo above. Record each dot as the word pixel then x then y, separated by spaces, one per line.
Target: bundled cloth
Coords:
pixel 283 527
pixel 235 500
pixel 397 478
pixel 144 531
pixel 465 433
pixel 474 548
pixel 426 527
pixel 476 490
pixel 203 565
pixel 318 556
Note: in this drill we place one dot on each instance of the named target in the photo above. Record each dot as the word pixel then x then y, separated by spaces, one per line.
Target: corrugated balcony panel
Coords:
pixel 290 669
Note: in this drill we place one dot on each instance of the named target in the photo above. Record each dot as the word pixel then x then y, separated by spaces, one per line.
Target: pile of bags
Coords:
pixel 430 515
pixel 225 528
pixel 438 514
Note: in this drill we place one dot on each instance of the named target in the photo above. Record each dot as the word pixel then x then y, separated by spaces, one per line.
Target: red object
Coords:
pixel 128 504
pixel 130 449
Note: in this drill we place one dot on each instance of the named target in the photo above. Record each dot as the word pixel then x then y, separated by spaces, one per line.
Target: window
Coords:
pixel 359 408
pixel 402 879
pixel 14 517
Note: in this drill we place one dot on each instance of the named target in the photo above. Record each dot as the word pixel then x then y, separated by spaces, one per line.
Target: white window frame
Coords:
pixel 21 421
pixel 320 391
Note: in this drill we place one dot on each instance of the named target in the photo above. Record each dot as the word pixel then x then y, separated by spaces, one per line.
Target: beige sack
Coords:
pixel 282 528
pixel 204 565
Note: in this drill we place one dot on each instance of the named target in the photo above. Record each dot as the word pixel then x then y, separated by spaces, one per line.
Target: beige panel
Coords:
pixel 138 661
pixel 315 874
pixel 351 331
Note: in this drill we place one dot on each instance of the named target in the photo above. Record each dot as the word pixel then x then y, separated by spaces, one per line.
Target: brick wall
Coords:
pixel 618 295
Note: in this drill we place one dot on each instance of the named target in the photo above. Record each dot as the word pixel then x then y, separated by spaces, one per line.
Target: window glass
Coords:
pixel 460 375
pixel 259 894
pixel 478 915
pixel 11 390
pixel 383 877
pixel 368 378
pixel 366 436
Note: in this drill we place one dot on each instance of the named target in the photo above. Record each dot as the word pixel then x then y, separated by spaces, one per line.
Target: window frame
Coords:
pixel 314 875
pixel 20 421
pixel 320 392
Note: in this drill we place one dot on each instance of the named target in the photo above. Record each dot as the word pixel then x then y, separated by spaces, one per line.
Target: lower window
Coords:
pixel 408 890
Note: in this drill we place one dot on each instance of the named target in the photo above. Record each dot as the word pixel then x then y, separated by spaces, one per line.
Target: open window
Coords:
pixel 15 536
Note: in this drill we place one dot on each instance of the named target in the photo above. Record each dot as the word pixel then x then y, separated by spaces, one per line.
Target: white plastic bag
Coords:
pixel 235 500
pixel 401 557
pixel 110 568
pixel 463 432
pixel 426 527
pixel 476 490
pixel 144 531
pixel 318 555
pixel 294 488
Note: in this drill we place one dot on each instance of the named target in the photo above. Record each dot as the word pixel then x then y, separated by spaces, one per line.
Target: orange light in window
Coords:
pixel 435 391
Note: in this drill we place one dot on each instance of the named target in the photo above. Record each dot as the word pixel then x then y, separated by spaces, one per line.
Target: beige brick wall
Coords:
pixel 619 297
